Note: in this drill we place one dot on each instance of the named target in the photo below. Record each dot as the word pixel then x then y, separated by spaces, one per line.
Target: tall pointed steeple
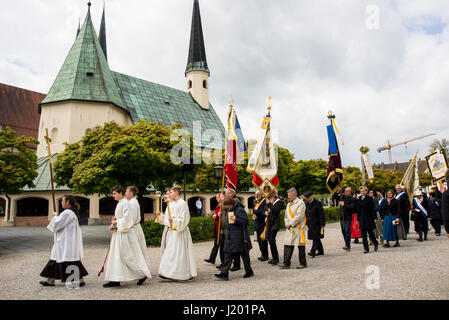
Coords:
pixel 85 74
pixel 197 71
pixel 102 33
pixel 197 53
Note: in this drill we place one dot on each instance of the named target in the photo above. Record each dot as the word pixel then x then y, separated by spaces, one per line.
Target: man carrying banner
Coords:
pixel 295 222
pixel 445 206
pixel 263 164
pixel 260 204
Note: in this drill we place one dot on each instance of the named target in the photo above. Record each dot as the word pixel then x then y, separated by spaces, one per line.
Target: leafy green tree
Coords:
pixel 138 155
pixel 384 180
pixel 442 144
pixel 18 163
pixel 310 175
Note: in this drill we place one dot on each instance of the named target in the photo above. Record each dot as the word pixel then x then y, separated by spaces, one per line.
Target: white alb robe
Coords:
pixel 68 241
pixel 177 261
pixel 126 260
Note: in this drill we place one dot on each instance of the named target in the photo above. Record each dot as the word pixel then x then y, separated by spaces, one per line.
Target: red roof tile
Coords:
pixel 19 110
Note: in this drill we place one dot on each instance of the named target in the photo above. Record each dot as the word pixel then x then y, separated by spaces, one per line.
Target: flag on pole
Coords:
pixel 262 162
pixel 334 168
pixel 234 139
pixel 411 178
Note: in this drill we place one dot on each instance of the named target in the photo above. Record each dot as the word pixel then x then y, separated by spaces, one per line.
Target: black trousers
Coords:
pixel 263 245
pixel 216 248
pixel 229 257
pixel 436 224
pixel 272 242
pixel 365 233
pixel 405 217
pixel 317 246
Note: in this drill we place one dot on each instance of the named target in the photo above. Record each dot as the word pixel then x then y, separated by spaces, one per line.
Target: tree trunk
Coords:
pixel 140 195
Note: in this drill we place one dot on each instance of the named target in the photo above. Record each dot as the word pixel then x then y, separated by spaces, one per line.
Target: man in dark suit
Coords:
pixel 445 206
pixel 348 206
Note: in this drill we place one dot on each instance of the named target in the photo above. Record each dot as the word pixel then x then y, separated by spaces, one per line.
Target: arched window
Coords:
pixel 189 84
pixel 54 135
pixel 205 84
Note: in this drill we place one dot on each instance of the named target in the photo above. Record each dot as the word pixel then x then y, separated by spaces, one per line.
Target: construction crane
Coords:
pixel 389 146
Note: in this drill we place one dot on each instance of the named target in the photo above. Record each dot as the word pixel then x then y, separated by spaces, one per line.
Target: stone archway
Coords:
pixel 213 203
pixel 2 208
pixel 84 204
pixel 251 202
pixel 107 209
pixel 31 211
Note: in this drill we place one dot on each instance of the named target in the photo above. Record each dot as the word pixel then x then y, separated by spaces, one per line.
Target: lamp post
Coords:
pixel 218 171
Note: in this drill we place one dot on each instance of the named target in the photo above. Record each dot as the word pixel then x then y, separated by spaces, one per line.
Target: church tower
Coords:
pixel 197 73
pixel 83 95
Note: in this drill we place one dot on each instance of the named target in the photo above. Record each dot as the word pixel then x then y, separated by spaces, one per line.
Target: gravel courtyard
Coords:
pixel 415 270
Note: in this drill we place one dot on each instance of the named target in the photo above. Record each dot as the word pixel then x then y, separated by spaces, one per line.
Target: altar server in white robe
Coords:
pixel 177 261
pixel 67 252
pixel 125 260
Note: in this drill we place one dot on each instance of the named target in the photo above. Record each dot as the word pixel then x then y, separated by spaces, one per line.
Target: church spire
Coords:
pixel 197 53
pixel 102 33
pixel 85 74
pixel 197 72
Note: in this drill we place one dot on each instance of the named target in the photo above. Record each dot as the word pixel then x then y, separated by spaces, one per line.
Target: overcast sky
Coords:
pixel 384 75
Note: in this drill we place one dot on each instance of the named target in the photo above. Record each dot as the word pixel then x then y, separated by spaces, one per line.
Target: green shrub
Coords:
pixel 331 214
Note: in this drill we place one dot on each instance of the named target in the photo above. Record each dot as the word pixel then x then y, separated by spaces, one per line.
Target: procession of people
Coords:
pixel 304 215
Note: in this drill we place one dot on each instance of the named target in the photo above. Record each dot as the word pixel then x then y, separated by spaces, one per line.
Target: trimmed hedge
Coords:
pixel 202 228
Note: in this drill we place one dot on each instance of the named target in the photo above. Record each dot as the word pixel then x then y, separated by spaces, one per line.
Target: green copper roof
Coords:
pixel 154 102
pixel 85 74
pixel 43 181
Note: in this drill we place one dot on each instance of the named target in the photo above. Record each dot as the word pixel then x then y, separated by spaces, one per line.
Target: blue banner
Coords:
pixel 333 149
pixel 238 132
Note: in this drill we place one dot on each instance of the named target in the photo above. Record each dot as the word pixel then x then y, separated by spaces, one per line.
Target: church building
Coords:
pixel 87 93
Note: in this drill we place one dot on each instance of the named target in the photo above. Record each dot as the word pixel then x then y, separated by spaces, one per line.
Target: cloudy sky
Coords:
pixel 382 66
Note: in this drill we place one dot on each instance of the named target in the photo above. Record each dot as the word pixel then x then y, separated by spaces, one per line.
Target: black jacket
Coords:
pixel 445 209
pixel 366 213
pixel 274 216
pixel 434 208
pixel 315 219
pixel 236 231
pixel 260 214
pixel 404 205
pixel 349 208
pixel 389 209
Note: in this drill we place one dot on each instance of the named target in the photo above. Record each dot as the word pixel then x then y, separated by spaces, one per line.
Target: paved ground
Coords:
pixel 413 271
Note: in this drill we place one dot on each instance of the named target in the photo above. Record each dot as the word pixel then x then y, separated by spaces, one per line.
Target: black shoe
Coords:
pixel 356 241
pixel 141 281
pixel 263 258
pixel 346 248
pixel 46 284
pixel 311 254
pixel 387 245
pixel 111 284
pixel 365 251
pixel 235 268
pixel 376 248
pixel 163 278
pixel 221 276
pixel 419 239
pixel 248 275
pixel 219 266
pixel 425 236
pixel 273 262
pixel 397 244
pixel 209 261
pixel 319 254
pixel 82 284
